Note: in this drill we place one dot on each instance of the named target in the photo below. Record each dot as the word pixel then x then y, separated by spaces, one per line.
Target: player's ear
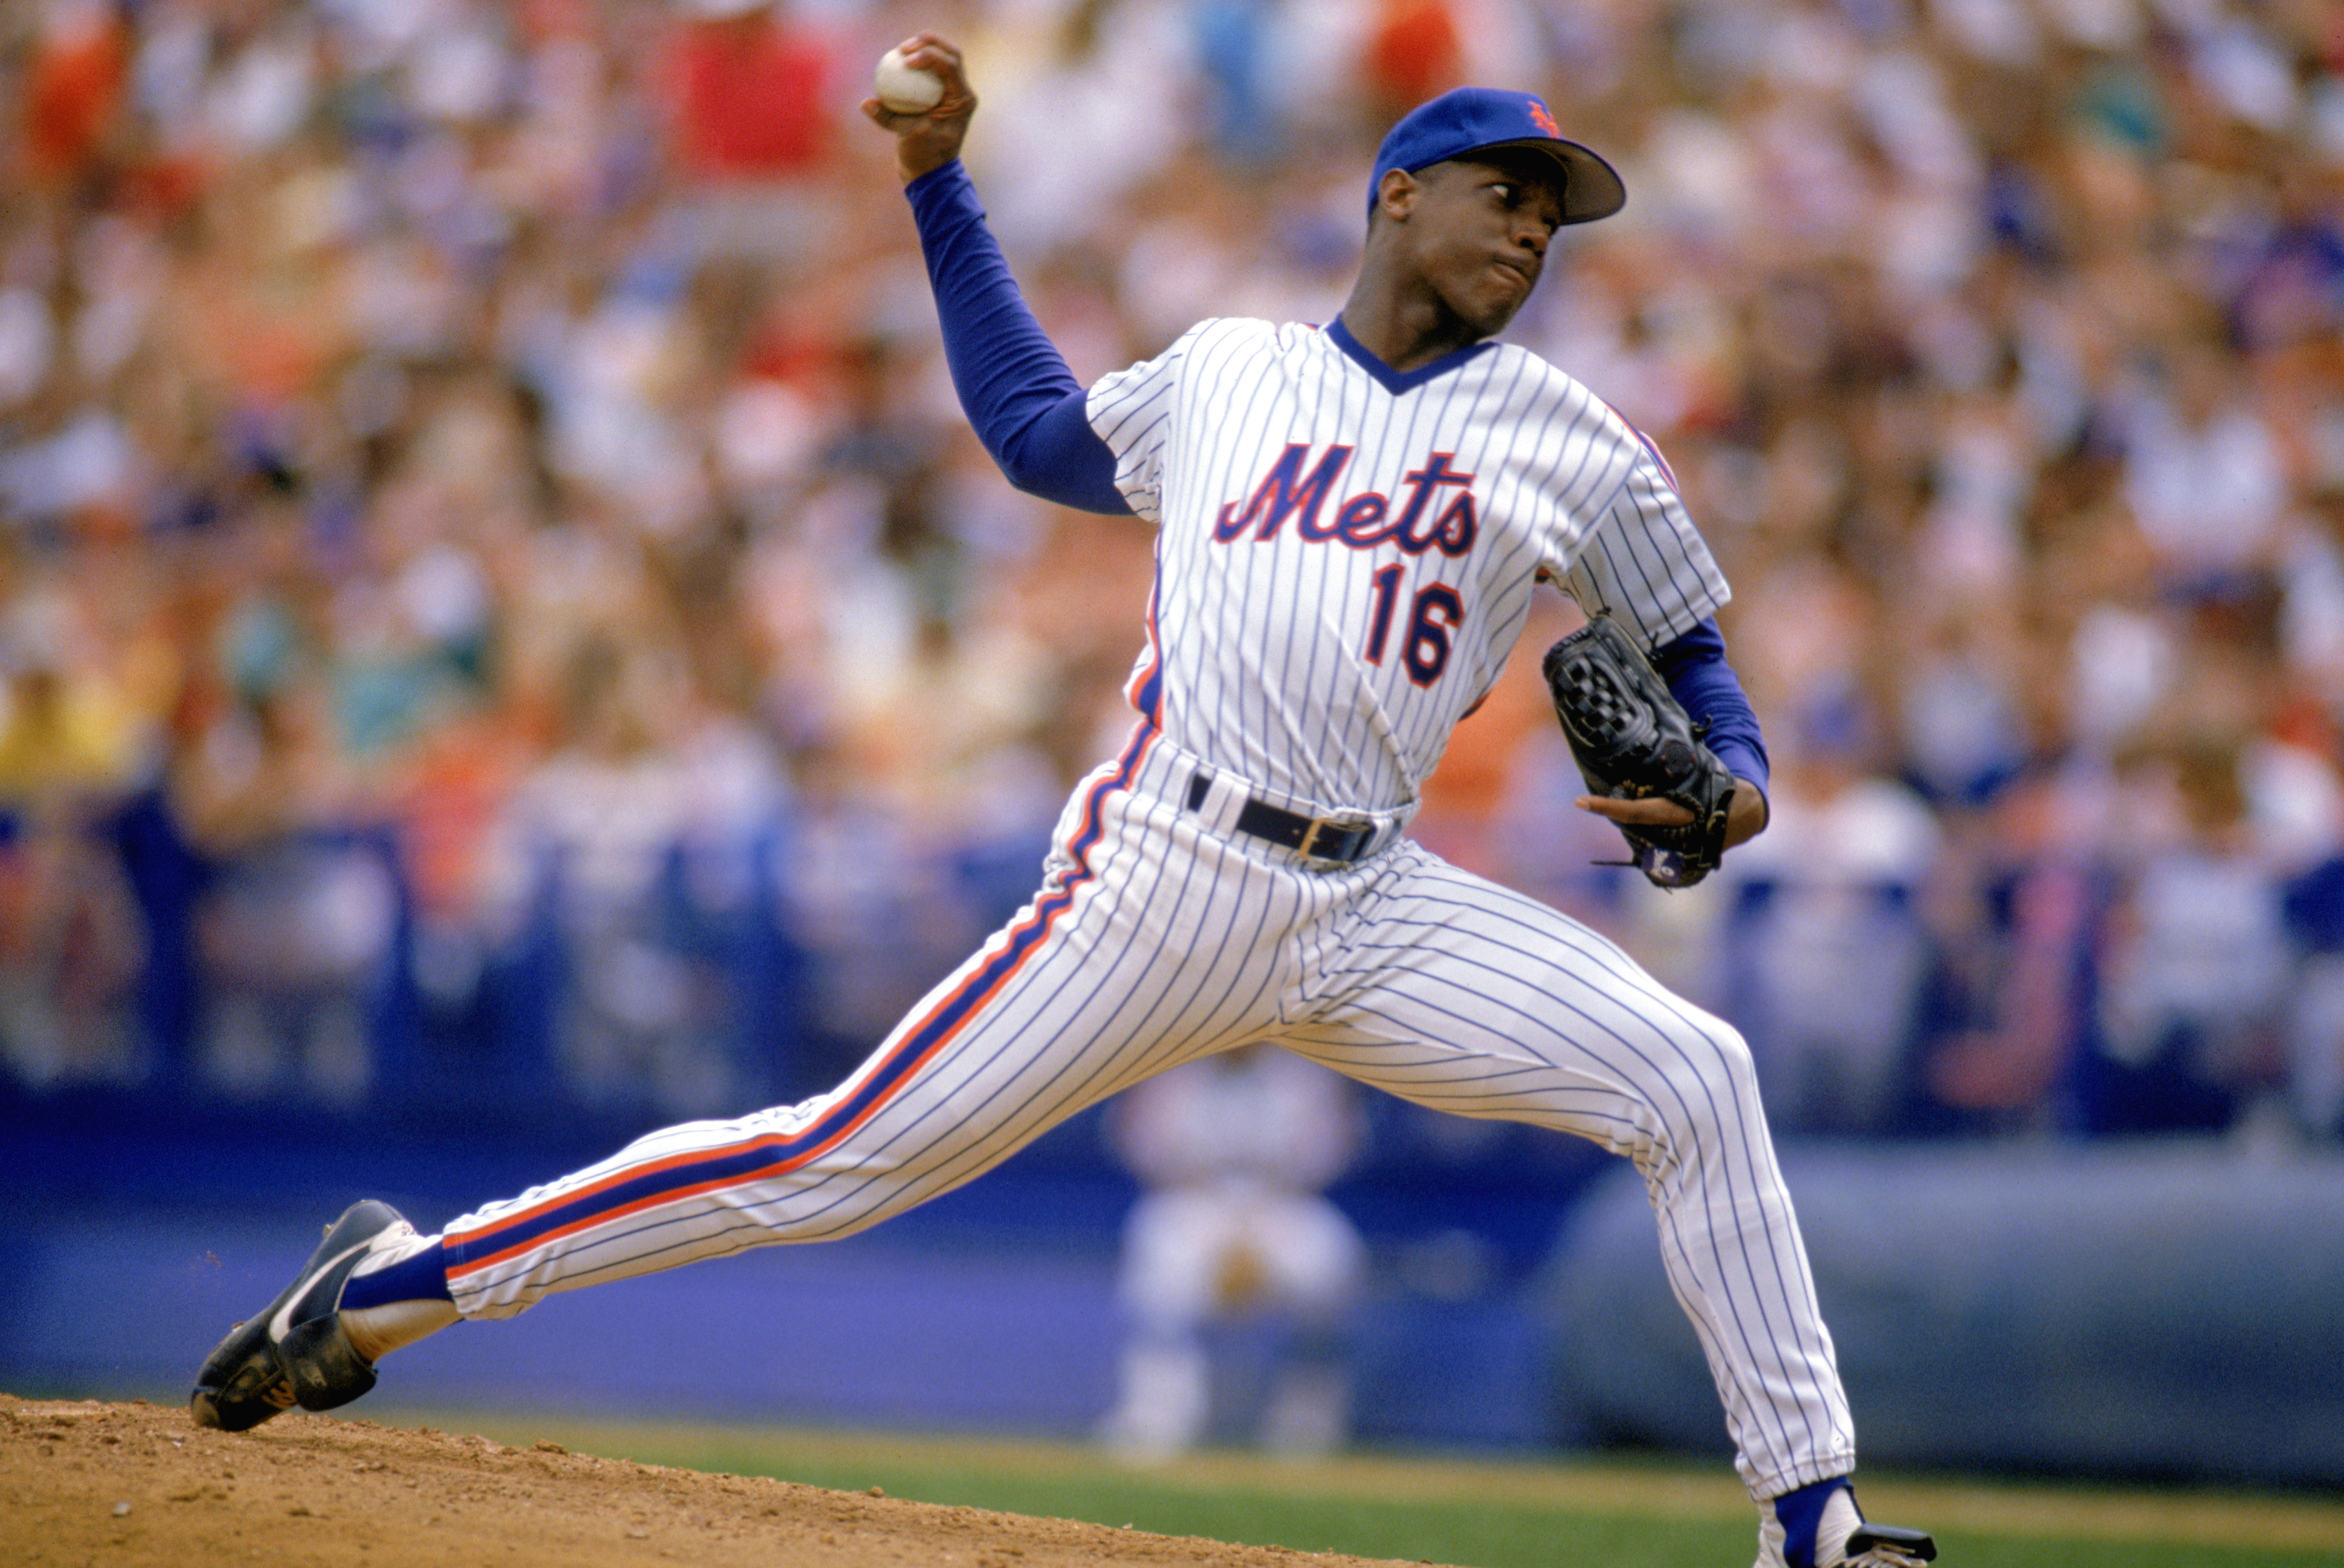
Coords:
pixel 1396 195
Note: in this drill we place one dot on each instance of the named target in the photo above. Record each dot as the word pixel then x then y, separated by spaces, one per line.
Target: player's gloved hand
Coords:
pixel 1642 756
pixel 929 140
pixel 1744 819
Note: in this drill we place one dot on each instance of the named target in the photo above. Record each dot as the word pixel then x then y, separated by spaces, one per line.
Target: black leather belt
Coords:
pixel 1315 837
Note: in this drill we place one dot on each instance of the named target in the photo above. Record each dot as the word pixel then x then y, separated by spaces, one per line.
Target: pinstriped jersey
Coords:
pixel 1345 556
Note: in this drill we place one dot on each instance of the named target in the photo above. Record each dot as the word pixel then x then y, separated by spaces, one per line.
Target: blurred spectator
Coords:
pixel 1244 120
pixel 2195 963
pixel 748 90
pixel 618 847
pixel 1826 954
pixel 71 743
pixel 2202 472
pixel 1414 52
pixel 72 90
pixel 295 932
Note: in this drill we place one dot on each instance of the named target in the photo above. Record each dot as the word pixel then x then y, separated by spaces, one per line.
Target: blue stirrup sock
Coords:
pixel 420 1276
pixel 1800 1513
pixel 401 1303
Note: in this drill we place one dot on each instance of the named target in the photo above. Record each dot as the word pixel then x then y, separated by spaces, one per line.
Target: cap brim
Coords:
pixel 1592 188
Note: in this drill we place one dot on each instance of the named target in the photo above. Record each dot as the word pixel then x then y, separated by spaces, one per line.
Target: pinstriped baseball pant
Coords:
pixel 1157 938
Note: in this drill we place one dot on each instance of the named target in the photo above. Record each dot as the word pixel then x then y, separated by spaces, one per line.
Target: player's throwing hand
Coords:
pixel 930 140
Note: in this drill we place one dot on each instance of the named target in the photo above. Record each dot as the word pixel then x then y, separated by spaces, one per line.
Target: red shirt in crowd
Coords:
pixel 745 97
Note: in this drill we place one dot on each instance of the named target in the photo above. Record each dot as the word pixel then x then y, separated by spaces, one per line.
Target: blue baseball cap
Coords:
pixel 1475 120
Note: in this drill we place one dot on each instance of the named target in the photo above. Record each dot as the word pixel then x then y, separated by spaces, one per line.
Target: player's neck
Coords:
pixel 1406 333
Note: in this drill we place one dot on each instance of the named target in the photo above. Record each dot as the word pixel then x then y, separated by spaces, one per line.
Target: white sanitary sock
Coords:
pixel 376 1331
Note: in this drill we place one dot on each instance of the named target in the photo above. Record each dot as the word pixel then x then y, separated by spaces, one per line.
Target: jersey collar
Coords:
pixel 1397 381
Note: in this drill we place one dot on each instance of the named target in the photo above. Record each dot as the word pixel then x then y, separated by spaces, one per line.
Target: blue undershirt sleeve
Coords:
pixel 1695 667
pixel 1021 397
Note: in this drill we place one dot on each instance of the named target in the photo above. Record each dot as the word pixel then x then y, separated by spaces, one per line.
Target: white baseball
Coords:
pixel 907 89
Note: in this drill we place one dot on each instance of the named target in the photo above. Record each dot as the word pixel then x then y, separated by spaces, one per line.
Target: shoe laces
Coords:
pixel 1883 1556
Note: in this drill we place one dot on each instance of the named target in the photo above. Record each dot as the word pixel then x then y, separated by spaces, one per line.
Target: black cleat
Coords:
pixel 296 1351
pixel 1886 1546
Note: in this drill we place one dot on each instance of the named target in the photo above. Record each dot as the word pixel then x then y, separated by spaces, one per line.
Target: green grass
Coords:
pixel 1446 1533
pixel 1607 1513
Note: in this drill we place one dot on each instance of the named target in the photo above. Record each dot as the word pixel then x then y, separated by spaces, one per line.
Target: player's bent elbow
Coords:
pixel 1056 456
pixel 1104 500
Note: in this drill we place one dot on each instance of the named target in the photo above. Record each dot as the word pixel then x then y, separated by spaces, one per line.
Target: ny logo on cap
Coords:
pixel 1544 121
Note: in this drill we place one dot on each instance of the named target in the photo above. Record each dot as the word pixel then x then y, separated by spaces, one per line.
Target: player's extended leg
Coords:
pixel 1073 1000
pixel 1465 996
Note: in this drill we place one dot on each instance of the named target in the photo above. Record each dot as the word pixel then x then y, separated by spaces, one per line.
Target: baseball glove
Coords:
pixel 1634 739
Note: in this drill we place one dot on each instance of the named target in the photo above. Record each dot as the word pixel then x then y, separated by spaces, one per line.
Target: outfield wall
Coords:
pixel 2171 1311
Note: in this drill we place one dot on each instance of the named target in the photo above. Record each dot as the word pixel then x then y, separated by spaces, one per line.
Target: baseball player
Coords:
pixel 1350 522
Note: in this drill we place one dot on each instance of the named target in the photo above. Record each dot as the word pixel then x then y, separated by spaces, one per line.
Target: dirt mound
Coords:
pixel 131 1484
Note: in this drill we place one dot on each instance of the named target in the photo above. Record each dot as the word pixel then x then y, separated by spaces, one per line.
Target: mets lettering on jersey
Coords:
pixel 1346 555
pixel 1364 520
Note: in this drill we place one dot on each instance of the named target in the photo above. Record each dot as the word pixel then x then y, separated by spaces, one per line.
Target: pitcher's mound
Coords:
pixel 133 1484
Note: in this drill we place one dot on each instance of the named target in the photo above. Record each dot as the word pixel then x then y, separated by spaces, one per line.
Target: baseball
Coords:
pixel 907 89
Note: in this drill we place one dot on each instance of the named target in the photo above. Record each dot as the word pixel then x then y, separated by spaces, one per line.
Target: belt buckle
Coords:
pixel 1327 827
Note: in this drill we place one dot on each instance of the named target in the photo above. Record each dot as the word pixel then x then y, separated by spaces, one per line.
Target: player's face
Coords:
pixel 1481 231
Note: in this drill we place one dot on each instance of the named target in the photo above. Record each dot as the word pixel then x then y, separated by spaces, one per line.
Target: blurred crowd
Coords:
pixel 495 589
